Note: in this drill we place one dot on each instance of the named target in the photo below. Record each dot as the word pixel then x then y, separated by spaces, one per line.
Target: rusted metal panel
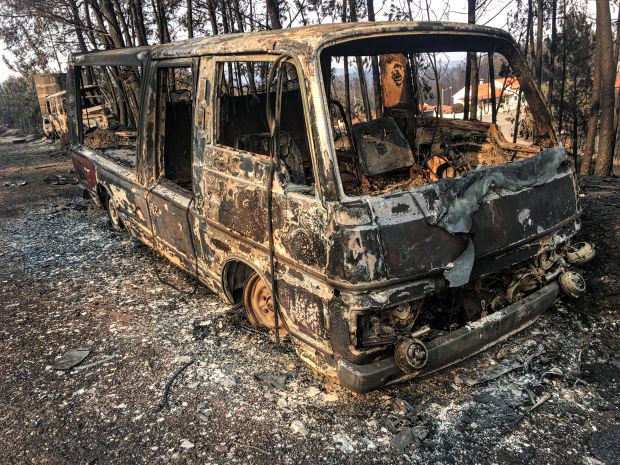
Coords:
pixel 394 79
pixel 47 84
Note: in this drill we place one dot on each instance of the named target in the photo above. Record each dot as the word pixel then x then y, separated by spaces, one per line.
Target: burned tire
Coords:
pixel 115 219
pixel 258 304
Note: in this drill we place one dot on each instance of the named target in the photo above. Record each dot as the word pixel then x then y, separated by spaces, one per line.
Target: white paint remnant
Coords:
pixel 524 217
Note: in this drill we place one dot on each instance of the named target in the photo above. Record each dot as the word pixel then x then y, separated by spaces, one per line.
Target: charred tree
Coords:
pixel 539 41
pixel 137 18
pixel 467 86
pixel 347 89
pixel 528 38
pixel 361 75
pixel 374 64
pixel 273 12
pixel 593 116
pixel 161 20
pixel 472 58
pixel 608 74
pixel 190 19
pixel 552 50
pixel 123 23
pixel 563 81
pixel 212 11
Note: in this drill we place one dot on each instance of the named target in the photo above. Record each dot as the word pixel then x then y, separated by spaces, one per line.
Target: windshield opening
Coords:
pixel 408 111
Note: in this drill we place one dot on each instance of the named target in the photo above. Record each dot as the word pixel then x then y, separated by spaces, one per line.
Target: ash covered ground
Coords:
pixel 68 281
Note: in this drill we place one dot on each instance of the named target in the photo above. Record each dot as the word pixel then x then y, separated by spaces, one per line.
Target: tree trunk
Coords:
pixel 237 14
pixel 78 27
pixel 114 29
pixel 123 23
pixel 617 91
pixel 360 69
pixel 575 115
pixel 347 90
pixel 89 26
pixel 595 107
pixel 473 61
pixel 190 20
pixel 552 46
pixel 608 75
pixel 273 11
pixel 137 16
pixel 539 42
pixel 563 83
pixel 374 63
pixel 103 34
pixel 161 20
pixel 530 20
pixel 473 112
pixel 467 85
pixel 528 43
pixel 212 16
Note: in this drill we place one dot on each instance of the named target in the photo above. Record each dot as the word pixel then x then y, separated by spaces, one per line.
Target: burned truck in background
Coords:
pixel 387 244
pixel 95 112
pixel 47 84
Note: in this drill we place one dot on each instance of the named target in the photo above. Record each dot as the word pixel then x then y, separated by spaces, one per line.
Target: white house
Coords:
pixel 506 88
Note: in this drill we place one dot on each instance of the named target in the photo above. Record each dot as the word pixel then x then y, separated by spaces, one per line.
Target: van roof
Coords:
pixel 299 40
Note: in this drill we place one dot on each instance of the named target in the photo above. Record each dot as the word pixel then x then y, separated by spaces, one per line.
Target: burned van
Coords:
pixel 94 111
pixel 297 173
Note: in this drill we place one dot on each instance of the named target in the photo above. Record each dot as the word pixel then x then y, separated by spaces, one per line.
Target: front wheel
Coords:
pixel 258 304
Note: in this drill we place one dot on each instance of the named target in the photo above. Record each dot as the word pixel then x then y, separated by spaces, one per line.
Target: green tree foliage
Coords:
pixel 18 104
pixel 579 37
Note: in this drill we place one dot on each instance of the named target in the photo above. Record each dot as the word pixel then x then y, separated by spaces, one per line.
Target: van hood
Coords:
pixel 449 225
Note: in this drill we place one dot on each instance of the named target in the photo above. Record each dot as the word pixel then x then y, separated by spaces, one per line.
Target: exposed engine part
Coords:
pixel 573 284
pixel 579 253
pixel 411 354
pixel 385 326
pixel 524 281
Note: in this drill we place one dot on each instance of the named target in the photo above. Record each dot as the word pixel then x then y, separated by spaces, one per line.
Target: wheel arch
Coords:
pixel 102 195
pixel 235 274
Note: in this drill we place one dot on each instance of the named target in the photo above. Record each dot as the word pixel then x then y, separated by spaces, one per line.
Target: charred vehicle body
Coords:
pixel 94 111
pixel 395 243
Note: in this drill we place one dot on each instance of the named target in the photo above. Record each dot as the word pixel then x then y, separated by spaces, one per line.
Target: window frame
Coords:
pixel 158 152
pixel 221 60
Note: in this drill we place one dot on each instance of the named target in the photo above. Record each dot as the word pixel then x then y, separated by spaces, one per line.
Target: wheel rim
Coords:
pixel 258 304
pixel 114 218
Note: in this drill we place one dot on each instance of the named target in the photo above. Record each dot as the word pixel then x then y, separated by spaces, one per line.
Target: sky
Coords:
pixel 495 15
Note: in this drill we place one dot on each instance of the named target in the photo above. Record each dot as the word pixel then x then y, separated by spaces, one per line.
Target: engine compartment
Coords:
pixel 415 154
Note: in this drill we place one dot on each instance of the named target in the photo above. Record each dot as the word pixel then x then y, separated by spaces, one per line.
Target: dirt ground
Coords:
pixel 69 281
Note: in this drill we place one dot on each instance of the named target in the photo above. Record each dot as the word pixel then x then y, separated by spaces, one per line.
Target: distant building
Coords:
pixel 506 89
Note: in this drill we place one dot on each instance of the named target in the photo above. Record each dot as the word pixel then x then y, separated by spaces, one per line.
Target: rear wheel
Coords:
pixel 115 219
pixel 258 304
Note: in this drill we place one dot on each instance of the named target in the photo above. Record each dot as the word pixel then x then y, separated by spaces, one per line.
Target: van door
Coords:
pixel 235 183
pixel 170 199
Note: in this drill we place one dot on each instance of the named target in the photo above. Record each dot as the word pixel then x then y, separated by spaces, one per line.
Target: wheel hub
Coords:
pixel 258 304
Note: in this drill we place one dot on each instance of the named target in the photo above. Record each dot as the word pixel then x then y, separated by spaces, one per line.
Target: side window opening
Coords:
pixel 175 122
pixel 242 122
pixel 110 102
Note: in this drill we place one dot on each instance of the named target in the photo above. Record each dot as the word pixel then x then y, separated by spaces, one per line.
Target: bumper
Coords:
pixel 453 347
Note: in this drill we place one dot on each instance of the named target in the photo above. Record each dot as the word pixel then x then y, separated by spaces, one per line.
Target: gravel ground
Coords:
pixel 68 281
